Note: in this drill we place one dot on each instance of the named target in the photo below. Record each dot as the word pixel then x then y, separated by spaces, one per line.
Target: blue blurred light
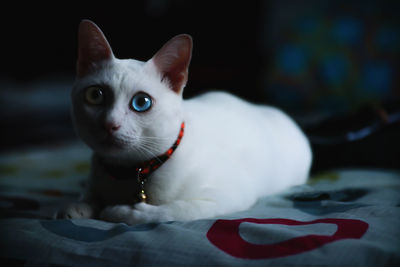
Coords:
pixel 347 31
pixel 334 69
pixel 292 59
pixel 377 78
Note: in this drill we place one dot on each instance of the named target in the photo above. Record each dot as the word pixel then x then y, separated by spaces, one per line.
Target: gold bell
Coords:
pixel 142 196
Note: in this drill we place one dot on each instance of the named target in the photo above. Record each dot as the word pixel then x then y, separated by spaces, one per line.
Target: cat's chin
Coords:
pixel 115 150
pixel 113 143
pixel 109 145
pixel 120 157
pixel 114 154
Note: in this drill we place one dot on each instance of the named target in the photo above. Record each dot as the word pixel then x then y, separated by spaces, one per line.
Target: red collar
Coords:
pixel 145 168
pixel 148 167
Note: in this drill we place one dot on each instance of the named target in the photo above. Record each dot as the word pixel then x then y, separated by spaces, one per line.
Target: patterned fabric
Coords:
pixel 340 218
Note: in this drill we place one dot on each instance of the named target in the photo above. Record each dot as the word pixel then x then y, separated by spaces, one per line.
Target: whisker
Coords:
pixel 148 150
pixel 149 147
pixel 155 137
pixel 140 152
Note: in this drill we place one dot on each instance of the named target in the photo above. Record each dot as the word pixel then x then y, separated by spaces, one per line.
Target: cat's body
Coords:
pixel 232 152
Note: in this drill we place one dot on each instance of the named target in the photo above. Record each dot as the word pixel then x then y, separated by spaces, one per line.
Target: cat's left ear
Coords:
pixel 172 61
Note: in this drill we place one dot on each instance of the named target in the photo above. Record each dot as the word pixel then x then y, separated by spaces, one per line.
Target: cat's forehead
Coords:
pixel 120 71
pixel 117 74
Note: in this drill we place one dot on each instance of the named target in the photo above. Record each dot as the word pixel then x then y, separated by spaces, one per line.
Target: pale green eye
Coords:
pixel 94 95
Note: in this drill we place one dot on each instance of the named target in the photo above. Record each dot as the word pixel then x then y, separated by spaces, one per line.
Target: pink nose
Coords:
pixel 111 127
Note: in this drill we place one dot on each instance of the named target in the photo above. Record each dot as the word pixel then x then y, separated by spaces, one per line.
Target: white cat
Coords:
pixel 158 157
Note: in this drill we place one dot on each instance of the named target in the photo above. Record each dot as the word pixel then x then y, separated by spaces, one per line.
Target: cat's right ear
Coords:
pixel 173 59
pixel 92 47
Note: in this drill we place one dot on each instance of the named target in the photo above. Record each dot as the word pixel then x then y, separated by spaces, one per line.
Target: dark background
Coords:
pixel 37 42
pixel 314 59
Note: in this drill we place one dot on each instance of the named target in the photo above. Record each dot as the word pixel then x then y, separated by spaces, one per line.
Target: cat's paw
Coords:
pixel 118 213
pixel 140 213
pixel 144 212
pixel 78 210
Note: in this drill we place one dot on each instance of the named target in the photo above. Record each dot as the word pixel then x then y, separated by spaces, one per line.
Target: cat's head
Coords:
pixel 124 108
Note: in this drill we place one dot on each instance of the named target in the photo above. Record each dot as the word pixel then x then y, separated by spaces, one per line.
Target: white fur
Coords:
pixel 232 152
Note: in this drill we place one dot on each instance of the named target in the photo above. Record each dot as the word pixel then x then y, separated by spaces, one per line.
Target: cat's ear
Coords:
pixel 92 47
pixel 172 61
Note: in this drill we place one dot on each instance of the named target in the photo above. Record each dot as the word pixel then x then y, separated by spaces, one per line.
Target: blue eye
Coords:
pixel 141 102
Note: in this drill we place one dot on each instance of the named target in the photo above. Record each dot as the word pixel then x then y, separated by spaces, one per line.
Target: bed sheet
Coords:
pixel 340 218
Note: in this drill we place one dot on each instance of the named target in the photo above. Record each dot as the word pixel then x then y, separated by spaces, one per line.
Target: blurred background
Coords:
pixel 333 64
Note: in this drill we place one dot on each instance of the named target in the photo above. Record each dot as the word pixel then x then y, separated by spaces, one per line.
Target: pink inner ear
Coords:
pixel 173 59
pixel 92 47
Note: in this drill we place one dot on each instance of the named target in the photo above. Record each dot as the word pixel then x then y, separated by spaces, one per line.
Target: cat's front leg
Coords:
pixel 85 208
pixel 147 213
pixel 77 210
pixel 139 213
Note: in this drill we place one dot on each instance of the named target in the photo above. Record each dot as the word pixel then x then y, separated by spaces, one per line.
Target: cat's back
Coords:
pixel 219 103
pixel 227 108
pixel 222 115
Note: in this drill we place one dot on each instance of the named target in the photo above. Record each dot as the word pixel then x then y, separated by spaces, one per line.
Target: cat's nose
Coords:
pixel 111 127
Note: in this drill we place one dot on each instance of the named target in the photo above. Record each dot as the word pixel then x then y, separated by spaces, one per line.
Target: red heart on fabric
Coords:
pixel 224 234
